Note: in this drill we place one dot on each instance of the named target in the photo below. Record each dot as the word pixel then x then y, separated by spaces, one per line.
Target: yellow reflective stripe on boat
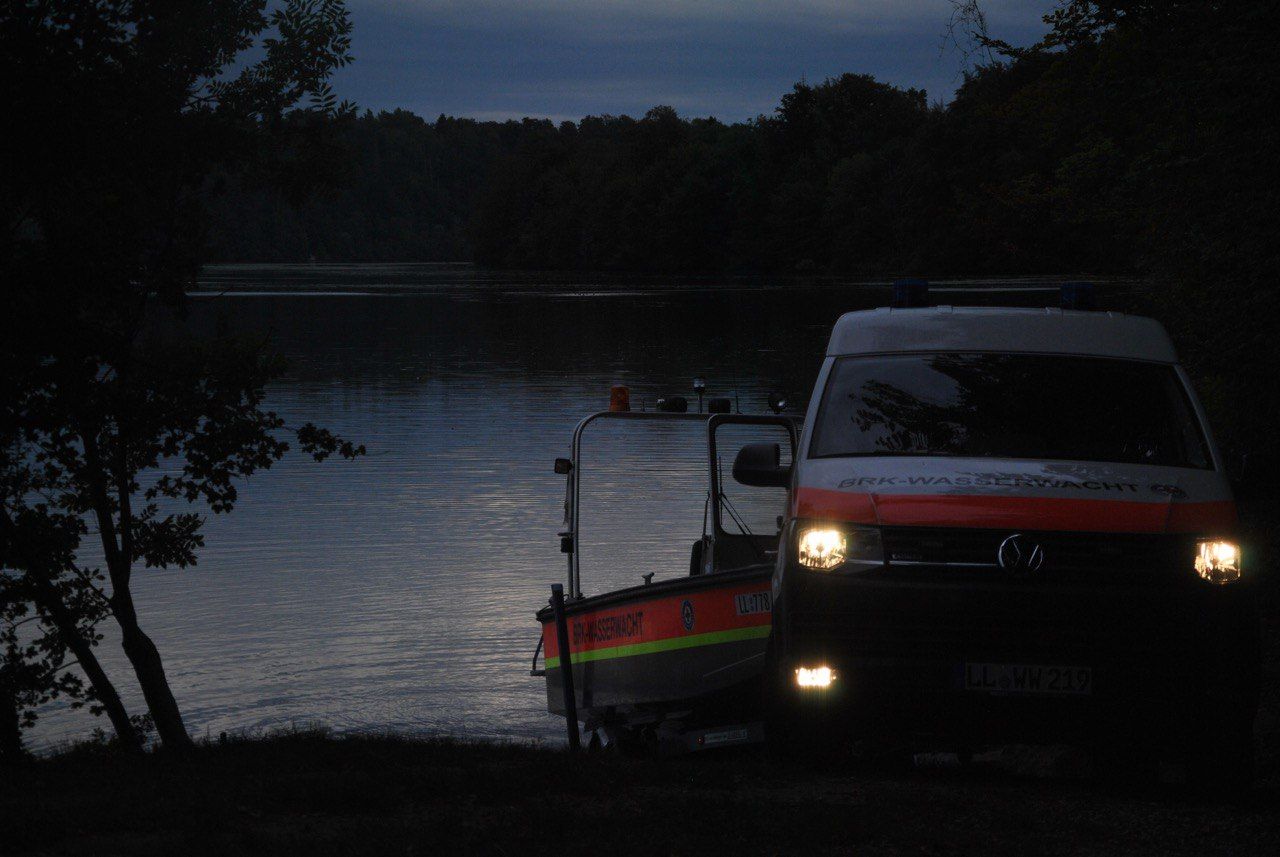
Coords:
pixel 755 632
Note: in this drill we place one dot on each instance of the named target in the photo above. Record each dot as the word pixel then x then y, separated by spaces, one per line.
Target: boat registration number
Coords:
pixel 1041 679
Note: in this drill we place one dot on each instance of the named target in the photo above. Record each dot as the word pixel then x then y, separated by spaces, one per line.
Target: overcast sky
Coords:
pixel 564 59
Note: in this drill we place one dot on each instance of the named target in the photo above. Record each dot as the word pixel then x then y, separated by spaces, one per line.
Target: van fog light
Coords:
pixel 819 677
pixel 1218 561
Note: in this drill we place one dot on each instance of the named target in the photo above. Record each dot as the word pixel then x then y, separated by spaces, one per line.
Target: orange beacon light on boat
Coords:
pixel 619 398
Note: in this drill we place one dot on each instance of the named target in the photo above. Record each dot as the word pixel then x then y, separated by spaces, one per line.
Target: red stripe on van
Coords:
pixel 1032 513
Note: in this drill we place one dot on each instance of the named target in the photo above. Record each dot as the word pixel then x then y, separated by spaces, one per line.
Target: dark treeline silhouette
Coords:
pixel 406 192
pixel 1101 150
pixel 850 175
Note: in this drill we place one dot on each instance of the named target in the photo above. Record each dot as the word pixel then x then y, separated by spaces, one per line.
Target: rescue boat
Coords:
pixel 678 662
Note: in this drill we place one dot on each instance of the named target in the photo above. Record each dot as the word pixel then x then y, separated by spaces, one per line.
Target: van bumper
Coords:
pixel 960 658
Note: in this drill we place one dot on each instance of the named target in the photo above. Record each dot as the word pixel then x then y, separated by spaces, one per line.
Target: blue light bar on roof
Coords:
pixel 1077 296
pixel 910 293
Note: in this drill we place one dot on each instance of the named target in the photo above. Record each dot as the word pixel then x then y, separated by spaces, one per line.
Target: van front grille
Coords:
pixel 908 548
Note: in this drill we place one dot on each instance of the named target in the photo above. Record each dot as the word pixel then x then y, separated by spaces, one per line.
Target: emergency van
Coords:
pixel 1005 524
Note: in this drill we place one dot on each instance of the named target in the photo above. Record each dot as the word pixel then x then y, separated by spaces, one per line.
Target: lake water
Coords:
pixel 397 591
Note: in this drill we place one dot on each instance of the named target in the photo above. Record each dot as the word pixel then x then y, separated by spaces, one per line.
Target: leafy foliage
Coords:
pixel 34 656
pixel 128 116
pixel 38 566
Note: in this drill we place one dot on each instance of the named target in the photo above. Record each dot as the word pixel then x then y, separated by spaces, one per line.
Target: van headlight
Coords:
pixel 1218 561
pixel 828 548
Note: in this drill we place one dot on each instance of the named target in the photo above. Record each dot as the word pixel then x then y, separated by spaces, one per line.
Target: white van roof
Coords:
pixel 1033 330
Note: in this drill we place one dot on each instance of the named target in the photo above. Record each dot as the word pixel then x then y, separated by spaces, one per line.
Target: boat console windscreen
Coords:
pixel 1000 405
pixel 750 510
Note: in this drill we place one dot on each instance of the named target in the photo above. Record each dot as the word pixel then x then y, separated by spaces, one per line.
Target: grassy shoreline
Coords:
pixel 312 793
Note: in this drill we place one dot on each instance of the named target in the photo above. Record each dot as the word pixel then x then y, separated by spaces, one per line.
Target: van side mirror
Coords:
pixel 758 464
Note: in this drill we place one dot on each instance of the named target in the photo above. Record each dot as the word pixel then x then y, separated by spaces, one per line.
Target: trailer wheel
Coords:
pixel 625 740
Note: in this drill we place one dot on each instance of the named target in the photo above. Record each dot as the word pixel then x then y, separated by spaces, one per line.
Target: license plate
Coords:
pixel 1028 679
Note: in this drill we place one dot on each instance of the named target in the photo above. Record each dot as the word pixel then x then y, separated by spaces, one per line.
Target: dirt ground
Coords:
pixel 313 794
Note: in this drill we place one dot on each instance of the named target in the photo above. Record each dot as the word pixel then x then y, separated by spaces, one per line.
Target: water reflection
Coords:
pixel 398 591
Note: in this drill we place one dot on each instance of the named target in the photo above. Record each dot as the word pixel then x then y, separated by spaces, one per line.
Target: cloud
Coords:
pixel 458 11
pixel 733 60
pixel 624 20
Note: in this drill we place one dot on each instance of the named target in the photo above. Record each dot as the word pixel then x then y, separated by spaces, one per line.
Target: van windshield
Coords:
pixel 1032 406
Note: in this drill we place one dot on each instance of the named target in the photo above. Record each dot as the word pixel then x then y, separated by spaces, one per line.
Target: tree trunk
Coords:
pixel 145 658
pixel 49 602
pixel 142 653
pixel 105 691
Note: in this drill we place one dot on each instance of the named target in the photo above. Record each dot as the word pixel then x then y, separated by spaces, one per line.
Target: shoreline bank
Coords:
pixel 309 792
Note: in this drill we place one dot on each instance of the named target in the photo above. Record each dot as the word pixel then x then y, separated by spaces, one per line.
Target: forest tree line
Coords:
pixel 850 175
pixel 1096 151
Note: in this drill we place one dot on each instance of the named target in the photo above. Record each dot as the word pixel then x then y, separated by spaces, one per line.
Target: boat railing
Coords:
pixel 533 667
pixel 790 423
pixel 569 536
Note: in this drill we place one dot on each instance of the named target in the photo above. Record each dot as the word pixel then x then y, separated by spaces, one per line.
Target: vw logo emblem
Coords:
pixel 1019 555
